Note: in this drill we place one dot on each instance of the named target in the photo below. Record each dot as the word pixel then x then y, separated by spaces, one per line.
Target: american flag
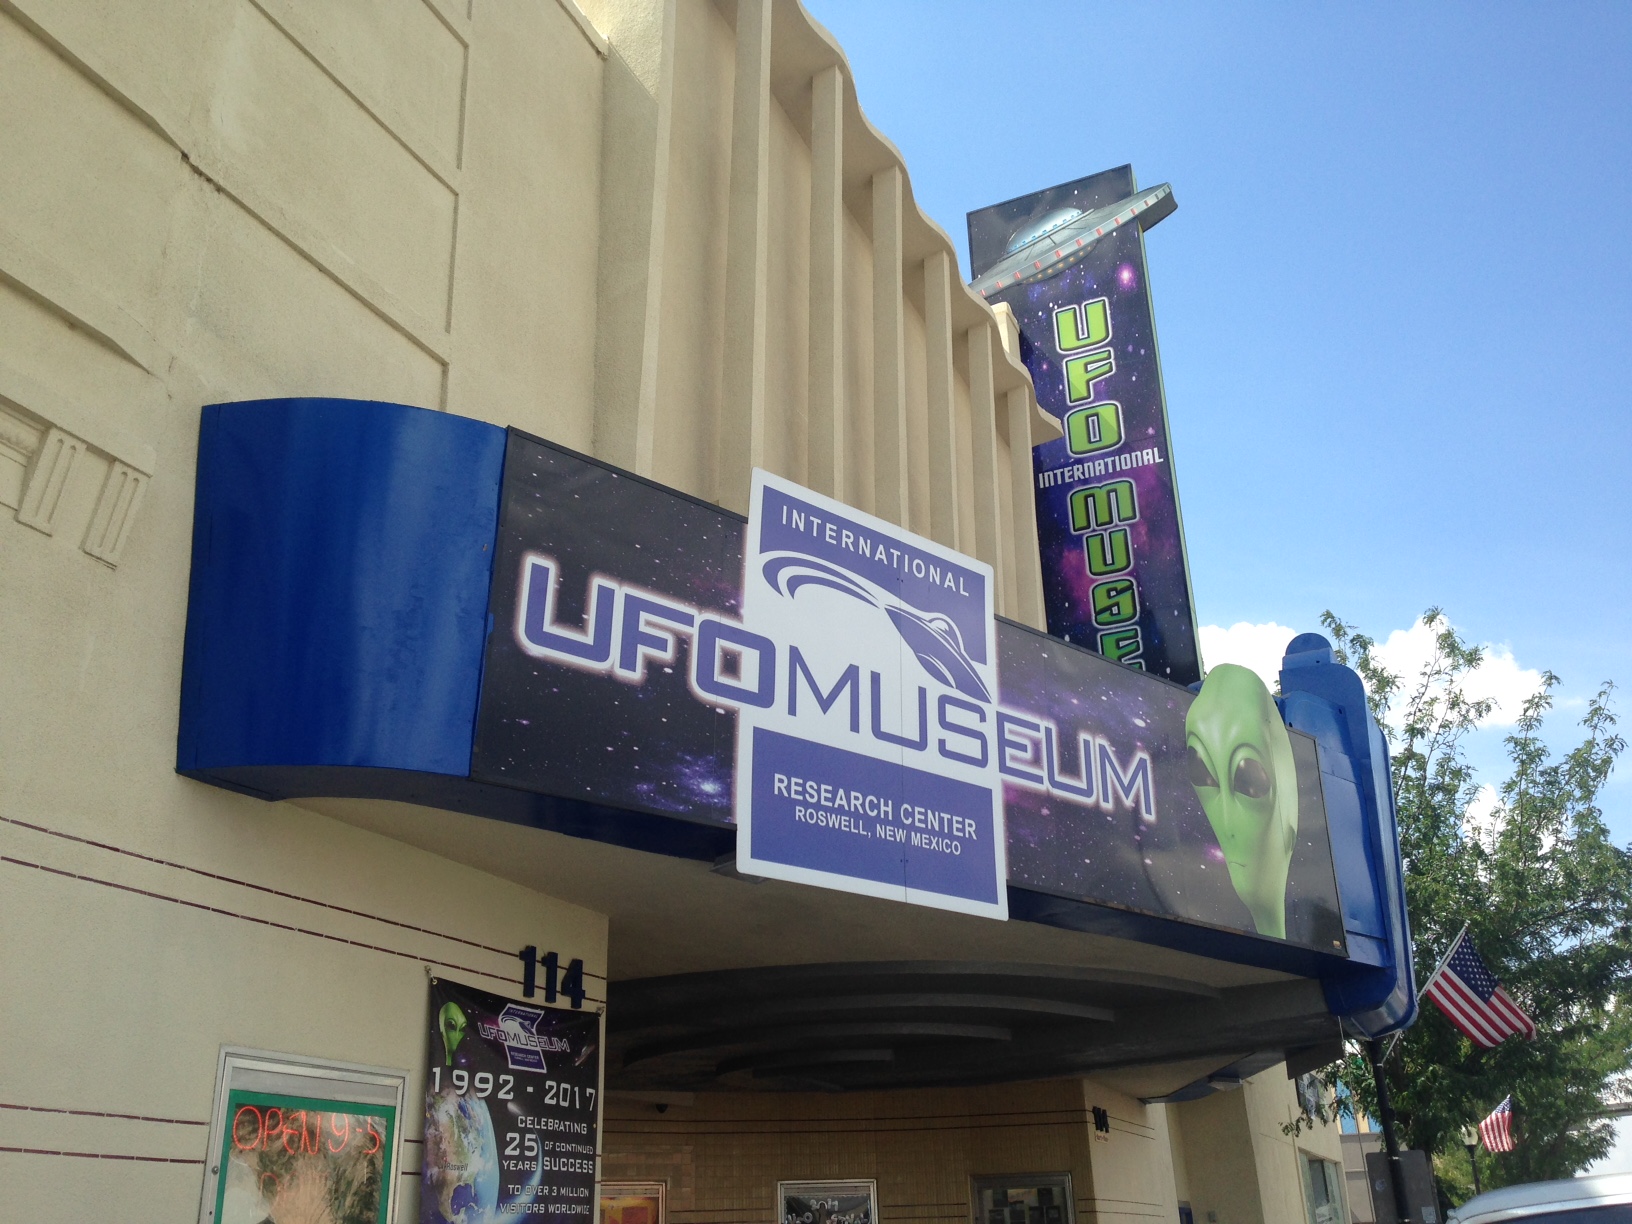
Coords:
pixel 1497 1130
pixel 1474 1001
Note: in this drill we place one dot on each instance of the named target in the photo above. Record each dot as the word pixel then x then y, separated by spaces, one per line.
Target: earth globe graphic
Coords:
pixel 461 1178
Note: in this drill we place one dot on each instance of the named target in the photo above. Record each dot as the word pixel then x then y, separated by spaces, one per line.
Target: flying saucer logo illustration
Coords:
pixel 932 636
pixel 1064 237
pixel 524 1047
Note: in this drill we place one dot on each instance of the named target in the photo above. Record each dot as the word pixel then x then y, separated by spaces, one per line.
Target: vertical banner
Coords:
pixel 511 1110
pixel 1070 263
pixel 865 680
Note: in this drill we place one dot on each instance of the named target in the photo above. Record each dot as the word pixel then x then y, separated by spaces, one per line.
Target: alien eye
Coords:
pixel 1250 779
pixel 1200 775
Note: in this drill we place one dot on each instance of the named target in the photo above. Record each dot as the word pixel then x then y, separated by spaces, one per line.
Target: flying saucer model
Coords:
pixel 1053 243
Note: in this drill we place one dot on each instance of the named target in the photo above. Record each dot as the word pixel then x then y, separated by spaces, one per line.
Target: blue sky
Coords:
pixel 1395 303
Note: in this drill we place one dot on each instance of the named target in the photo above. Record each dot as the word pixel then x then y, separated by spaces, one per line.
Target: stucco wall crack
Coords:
pixel 64 294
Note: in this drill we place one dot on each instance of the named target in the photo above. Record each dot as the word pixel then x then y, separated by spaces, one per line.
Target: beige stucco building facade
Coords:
pixel 660 232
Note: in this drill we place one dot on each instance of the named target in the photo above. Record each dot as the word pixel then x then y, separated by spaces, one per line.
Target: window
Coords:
pixel 1035 1198
pixel 1323 1191
pixel 288 1129
pixel 1351 1120
pixel 1309 1093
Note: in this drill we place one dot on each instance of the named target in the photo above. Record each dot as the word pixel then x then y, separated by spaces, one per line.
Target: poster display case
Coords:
pixel 629 1202
pixel 1021 1198
pixel 827 1202
pixel 298 1138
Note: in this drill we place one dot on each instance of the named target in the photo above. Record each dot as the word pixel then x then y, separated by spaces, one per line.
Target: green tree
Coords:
pixel 1547 897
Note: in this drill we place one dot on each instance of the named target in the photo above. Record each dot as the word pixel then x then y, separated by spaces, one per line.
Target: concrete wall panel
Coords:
pixel 689 365
pixel 316 154
pixel 917 411
pixel 529 226
pixel 787 374
pixel 1133 1164
pixel 964 453
pixel 405 60
pixel 38 343
pixel 858 360
pixel 86 184
pixel 267 322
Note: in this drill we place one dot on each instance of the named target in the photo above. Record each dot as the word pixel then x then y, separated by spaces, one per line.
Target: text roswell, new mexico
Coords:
pixel 882 832
pixel 841 808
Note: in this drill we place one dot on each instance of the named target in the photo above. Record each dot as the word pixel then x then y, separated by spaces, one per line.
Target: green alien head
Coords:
pixel 451 1021
pixel 1240 760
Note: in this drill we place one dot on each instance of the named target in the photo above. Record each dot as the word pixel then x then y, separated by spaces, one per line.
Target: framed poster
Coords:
pixel 512 1109
pixel 1021 1198
pixel 827 1202
pixel 302 1138
pixel 634 1202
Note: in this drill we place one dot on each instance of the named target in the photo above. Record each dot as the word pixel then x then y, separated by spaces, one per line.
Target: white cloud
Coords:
pixel 1499 678
pixel 1259 647
pixel 1483 815
pixel 1404 652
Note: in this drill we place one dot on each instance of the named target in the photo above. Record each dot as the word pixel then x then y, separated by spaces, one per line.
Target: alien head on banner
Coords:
pixel 1242 770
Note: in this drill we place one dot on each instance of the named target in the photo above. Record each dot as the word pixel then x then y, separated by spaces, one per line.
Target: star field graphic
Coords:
pixel 554 729
pixel 1170 866
pixel 650 747
pixel 1114 269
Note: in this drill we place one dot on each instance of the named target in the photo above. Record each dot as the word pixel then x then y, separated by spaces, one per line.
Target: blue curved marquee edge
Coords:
pixel 337 606
pixel 337 617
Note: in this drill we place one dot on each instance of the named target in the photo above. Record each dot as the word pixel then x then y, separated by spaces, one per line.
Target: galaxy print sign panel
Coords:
pixel 840 691
pixel 865 680
pixel 1139 794
pixel 1070 262
pixel 600 579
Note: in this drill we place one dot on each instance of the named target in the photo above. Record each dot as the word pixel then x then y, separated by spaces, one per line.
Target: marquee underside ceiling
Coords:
pixel 923 1024
pixel 718 983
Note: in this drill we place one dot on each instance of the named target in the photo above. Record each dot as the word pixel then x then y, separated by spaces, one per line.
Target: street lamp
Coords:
pixel 1470 1140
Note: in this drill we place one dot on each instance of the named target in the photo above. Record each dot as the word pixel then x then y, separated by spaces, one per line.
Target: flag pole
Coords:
pixel 1385 1108
pixel 1427 982
pixel 1449 948
pixel 1396 1173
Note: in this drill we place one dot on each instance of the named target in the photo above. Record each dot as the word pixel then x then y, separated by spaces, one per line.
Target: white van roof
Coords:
pixel 1535 1198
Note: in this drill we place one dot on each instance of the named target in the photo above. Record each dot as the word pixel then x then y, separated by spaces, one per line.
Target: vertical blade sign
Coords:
pixel 1070 263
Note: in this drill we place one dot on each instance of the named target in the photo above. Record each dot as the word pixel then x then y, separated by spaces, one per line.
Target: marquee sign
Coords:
pixel 838 692
pixel 511 629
